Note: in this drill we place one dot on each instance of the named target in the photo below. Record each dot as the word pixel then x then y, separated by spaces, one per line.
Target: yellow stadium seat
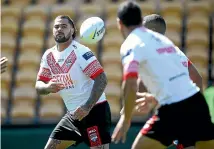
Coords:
pixel 62 10
pixel 10 57
pixel 3 110
pixel 113 72
pixel 52 106
pixel 173 9
pixel 6 80
pixel 112 41
pixel 10 13
pixel 29 58
pixel 115 106
pixel 9 28
pixel 111 25
pixel 87 10
pixel 113 93
pixel 50 42
pixel 47 2
pixel 174 36
pixel 20 3
pixel 8 44
pixel 196 24
pixel 111 11
pixel 34 28
pixel 26 93
pixel 23 112
pixel 148 7
pixel 31 43
pixel 199 8
pixel 5 93
pixel 197 39
pixel 36 12
pixel 173 24
pixel 26 77
pixel 111 56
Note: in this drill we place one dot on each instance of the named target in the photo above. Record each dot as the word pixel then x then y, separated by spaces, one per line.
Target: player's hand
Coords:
pixel 3 64
pixel 81 112
pixel 53 86
pixel 121 130
pixel 145 103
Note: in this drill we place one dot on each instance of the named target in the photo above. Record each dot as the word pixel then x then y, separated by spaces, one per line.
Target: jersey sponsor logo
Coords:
pixel 127 53
pixel 168 50
pixel 88 55
pixel 60 60
pixel 65 79
pixel 93 135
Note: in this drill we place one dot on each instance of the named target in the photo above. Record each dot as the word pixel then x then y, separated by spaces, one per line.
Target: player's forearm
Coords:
pixel 41 88
pixel 99 86
pixel 129 92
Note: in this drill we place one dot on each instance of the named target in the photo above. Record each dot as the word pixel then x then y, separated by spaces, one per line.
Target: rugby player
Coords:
pixel 156 60
pixel 71 69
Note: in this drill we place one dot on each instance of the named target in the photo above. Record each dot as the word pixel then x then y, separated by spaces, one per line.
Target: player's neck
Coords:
pixel 62 46
pixel 130 29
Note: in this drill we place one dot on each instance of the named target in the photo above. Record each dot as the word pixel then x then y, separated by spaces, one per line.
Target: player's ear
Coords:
pixel 119 24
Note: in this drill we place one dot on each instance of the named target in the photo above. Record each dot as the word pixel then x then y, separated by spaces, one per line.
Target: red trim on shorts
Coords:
pixel 101 102
pixel 94 136
pixel 148 126
pixel 130 75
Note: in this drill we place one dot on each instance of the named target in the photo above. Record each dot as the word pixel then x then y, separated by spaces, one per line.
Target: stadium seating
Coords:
pixel 52 108
pixel 23 105
pixel 20 3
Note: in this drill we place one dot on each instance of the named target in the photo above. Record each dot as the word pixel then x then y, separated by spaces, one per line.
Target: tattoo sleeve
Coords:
pixel 99 86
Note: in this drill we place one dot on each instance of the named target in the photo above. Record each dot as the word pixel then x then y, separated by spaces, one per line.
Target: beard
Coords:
pixel 62 39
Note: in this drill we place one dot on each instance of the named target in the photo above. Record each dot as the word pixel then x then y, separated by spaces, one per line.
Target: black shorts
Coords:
pixel 94 129
pixel 187 121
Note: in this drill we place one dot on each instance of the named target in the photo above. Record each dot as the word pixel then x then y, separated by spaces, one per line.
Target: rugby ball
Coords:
pixel 92 30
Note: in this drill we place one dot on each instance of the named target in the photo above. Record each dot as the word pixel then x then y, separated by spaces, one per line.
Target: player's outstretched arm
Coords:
pixel 99 86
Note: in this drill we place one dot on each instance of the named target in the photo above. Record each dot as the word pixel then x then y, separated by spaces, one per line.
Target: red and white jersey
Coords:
pixel 75 67
pixel 159 64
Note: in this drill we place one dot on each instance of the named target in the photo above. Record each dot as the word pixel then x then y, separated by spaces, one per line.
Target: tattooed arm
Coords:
pixel 99 86
pixel 100 83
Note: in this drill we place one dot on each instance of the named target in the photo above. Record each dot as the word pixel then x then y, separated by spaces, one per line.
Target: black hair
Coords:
pixel 71 22
pixel 129 13
pixel 155 22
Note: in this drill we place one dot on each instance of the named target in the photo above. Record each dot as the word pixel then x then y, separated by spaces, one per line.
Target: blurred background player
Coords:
pixel 3 64
pixel 71 69
pixel 147 102
pixel 157 61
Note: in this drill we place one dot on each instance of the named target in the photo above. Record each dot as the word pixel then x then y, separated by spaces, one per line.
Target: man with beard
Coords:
pixel 72 70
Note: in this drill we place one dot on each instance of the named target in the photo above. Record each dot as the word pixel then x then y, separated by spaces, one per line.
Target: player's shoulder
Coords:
pixel 82 50
pixel 48 51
